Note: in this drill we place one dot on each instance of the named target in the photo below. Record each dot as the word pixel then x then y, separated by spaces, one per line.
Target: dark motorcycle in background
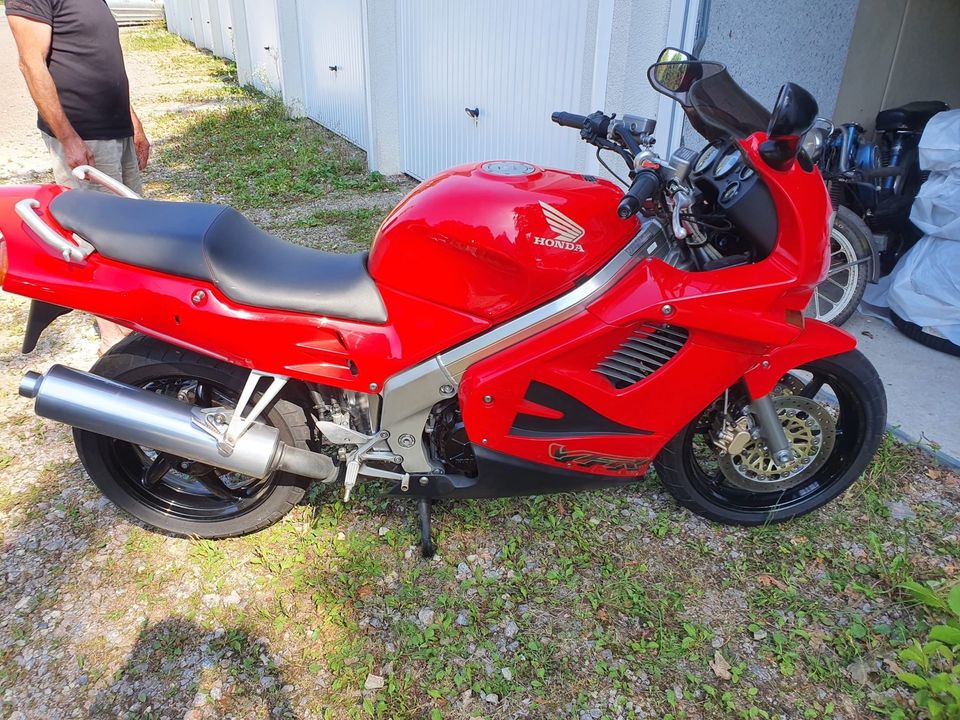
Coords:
pixel 872 186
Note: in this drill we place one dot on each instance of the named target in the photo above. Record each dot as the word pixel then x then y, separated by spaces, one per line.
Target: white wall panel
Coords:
pixel 516 62
pixel 264 43
pixel 331 35
pixel 170 16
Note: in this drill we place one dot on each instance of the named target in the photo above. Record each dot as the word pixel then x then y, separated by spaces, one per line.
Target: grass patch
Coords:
pixel 152 37
pixel 359 225
pixel 256 156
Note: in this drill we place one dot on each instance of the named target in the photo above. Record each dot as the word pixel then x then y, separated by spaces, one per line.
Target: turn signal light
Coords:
pixel 795 318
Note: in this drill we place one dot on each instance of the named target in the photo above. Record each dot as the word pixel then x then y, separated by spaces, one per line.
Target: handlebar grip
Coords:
pixel 569 119
pixel 645 185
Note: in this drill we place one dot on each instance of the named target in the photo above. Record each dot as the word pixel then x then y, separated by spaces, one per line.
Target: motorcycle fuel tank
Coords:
pixel 497 238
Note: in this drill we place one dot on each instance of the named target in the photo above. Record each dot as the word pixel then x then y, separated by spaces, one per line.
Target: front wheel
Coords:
pixel 833 411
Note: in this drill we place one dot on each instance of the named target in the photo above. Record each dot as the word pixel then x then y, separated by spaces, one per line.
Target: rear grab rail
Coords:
pixel 91 174
pixel 27 210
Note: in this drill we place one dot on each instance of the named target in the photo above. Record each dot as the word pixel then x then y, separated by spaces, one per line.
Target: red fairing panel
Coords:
pixel 343 353
pixel 736 320
pixel 495 245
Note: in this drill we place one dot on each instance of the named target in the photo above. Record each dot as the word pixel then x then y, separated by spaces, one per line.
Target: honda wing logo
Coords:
pixel 567 233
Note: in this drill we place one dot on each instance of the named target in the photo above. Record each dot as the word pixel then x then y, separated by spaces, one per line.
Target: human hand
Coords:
pixel 142 146
pixel 76 152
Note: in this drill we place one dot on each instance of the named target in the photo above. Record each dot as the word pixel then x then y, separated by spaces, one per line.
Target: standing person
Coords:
pixel 71 59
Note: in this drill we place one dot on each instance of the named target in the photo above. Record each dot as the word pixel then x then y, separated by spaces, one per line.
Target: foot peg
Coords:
pixel 427 548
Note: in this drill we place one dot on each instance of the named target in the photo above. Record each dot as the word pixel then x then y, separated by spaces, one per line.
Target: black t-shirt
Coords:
pixel 86 63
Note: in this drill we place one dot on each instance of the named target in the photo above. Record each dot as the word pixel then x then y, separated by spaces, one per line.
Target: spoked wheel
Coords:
pixel 833 412
pixel 174 494
pixel 837 297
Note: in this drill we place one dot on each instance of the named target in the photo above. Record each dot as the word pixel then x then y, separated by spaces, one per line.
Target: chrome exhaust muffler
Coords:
pixel 138 416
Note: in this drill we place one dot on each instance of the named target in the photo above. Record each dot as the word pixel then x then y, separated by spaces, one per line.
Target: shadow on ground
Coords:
pixel 177 666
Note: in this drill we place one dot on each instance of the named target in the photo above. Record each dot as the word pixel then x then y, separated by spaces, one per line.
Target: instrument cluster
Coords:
pixel 722 172
pixel 730 185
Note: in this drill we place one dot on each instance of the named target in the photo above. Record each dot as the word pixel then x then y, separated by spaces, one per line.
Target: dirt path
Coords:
pixel 22 153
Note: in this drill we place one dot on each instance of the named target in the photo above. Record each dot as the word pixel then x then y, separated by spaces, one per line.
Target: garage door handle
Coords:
pixel 334 67
pixel 472 112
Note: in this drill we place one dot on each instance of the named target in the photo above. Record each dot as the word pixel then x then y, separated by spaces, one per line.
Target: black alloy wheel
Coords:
pixel 176 495
pixel 847 429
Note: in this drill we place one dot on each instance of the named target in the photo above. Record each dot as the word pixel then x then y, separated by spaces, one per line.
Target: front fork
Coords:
pixel 771 430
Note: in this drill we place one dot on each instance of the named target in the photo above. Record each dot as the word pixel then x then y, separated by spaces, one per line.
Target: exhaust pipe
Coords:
pixel 141 417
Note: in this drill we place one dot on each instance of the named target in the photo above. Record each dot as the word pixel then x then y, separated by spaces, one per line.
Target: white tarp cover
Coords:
pixel 924 287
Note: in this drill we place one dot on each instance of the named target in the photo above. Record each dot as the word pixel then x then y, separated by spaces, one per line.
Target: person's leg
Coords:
pixel 130 167
pixel 61 171
pixel 109 159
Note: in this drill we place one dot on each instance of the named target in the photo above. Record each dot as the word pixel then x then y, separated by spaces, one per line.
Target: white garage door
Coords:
pixel 511 63
pixel 264 45
pixel 204 25
pixel 185 20
pixel 331 42
pixel 223 37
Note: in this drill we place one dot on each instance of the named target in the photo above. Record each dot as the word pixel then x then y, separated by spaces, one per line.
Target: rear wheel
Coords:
pixel 175 495
pixel 837 297
pixel 833 411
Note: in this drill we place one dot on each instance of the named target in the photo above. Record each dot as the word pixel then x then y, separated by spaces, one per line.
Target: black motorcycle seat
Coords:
pixel 912 116
pixel 217 244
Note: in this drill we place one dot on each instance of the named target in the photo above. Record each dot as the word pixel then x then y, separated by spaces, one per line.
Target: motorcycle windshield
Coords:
pixel 724 105
pixel 716 106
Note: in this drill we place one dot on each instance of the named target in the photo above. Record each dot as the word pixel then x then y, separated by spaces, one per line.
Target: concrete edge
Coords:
pixel 924 445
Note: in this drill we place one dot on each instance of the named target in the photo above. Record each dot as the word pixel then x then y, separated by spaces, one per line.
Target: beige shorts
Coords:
pixel 116 158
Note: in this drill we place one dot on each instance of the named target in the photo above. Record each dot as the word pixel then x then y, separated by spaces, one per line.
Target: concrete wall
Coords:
pixel 901 50
pixel 639 34
pixel 765 44
pixel 383 86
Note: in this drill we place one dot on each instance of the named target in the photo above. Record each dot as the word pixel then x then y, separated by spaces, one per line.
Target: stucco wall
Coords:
pixel 639 33
pixel 765 44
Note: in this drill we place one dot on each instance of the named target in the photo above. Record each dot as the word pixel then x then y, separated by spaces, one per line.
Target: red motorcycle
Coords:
pixel 513 330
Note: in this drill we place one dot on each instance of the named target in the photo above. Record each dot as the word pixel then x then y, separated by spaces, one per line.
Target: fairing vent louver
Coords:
pixel 647 350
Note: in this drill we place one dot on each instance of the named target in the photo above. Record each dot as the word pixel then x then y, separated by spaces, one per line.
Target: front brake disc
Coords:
pixel 811 432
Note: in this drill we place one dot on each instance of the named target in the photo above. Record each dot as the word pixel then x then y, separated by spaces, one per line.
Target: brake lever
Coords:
pixel 681 201
pixel 619 130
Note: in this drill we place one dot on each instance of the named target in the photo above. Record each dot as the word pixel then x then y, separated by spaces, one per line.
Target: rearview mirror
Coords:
pixel 794 112
pixel 674 71
pixel 792 116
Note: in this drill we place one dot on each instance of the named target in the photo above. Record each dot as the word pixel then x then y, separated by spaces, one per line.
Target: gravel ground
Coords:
pixel 601 605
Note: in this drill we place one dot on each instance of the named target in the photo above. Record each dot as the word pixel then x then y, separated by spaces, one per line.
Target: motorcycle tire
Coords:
pixel 838 296
pixel 188 499
pixel 917 333
pixel 686 469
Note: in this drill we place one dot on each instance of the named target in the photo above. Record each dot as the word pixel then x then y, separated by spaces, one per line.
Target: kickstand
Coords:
pixel 427 548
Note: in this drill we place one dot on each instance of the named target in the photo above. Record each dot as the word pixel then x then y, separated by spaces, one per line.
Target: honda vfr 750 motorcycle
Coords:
pixel 514 330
